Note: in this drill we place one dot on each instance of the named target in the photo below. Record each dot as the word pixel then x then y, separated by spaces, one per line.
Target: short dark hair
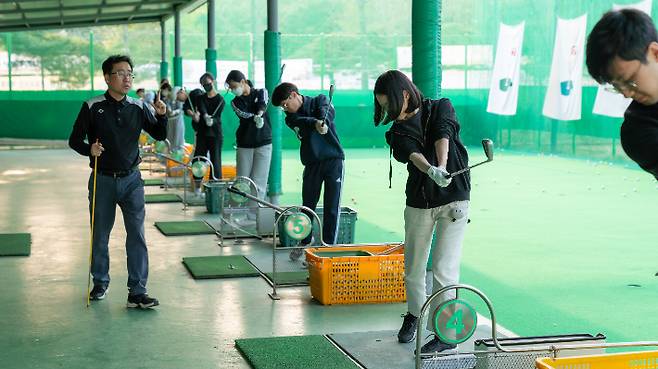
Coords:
pixel 282 92
pixel 206 75
pixel 625 33
pixel 237 76
pixel 166 86
pixel 139 90
pixel 391 83
pixel 114 59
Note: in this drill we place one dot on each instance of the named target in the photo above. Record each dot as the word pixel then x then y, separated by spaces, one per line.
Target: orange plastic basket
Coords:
pixel 357 279
pixel 630 360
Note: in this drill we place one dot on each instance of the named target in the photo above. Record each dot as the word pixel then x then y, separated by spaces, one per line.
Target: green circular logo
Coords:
pixel 298 226
pixel 455 321
pixel 199 168
pixel 244 187
pixel 160 147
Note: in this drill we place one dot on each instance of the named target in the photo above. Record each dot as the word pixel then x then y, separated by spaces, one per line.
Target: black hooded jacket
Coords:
pixel 436 119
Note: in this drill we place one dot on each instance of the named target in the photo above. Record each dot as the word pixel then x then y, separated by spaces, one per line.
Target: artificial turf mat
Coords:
pixel 184 228
pixel 211 267
pixel 290 277
pixel 15 244
pixel 161 197
pixel 299 352
pixel 153 182
pixel 558 244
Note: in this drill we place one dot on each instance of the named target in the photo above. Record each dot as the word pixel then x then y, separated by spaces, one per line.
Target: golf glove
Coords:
pixel 208 119
pixel 259 121
pixel 438 175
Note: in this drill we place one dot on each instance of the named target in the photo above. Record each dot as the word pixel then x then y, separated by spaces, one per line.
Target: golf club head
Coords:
pixel 488 147
pixel 331 92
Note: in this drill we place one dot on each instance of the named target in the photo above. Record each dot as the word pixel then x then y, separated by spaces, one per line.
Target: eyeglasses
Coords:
pixel 621 86
pixel 284 103
pixel 124 74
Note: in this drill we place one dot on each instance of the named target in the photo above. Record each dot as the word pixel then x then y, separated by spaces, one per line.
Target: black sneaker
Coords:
pixel 142 301
pixel 98 292
pixel 436 345
pixel 408 331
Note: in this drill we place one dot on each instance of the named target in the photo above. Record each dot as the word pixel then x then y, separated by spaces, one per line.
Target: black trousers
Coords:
pixel 210 147
pixel 331 173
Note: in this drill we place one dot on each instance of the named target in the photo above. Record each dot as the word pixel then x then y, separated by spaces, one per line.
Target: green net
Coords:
pixel 345 42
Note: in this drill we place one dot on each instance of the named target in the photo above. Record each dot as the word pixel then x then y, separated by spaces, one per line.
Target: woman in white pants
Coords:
pixel 254 134
pixel 425 136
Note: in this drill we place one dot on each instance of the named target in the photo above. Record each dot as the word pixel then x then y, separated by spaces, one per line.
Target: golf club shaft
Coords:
pixel 331 98
pixel 453 174
pixel 254 198
pixel 91 238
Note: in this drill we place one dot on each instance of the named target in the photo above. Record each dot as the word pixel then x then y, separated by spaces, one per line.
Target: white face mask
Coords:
pixel 238 91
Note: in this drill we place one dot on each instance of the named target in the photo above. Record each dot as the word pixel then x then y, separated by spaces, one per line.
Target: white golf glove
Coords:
pixel 260 122
pixel 438 175
pixel 208 119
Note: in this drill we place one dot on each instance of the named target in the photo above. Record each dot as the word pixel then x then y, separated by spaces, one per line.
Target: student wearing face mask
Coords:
pixel 175 123
pixel 207 123
pixel 254 134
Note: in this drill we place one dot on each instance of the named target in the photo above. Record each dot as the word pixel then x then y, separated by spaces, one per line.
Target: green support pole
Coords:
pixel 9 60
pixel 178 71
pixel 43 77
pixel 164 66
pixel 164 70
pixel 211 62
pixel 426 46
pixel 91 59
pixel 272 70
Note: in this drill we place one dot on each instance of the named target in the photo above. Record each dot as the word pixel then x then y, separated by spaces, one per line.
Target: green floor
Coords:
pixel 559 245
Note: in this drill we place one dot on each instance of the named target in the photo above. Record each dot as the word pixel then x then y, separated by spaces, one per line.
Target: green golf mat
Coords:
pixel 184 228
pixel 289 277
pixel 293 353
pixel 15 244
pixel 210 267
pixel 153 182
pixel 161 197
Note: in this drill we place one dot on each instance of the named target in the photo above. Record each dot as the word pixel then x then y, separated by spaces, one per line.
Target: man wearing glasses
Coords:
pixel 622 50
pixel 111 124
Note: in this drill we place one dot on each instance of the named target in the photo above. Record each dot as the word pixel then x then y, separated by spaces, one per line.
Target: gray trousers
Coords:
pixel 128 193
pixel 255 164
pixel 419 225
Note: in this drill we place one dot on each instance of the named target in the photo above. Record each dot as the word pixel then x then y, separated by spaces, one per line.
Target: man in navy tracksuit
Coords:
pixel 320 152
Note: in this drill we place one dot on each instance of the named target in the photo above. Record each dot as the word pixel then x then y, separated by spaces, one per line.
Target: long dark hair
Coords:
pixel 392 84
pixel 237 76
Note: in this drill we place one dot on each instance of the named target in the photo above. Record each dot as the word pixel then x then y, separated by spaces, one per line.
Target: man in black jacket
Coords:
pixel 622 50
pixel 320 152
pixel 111 124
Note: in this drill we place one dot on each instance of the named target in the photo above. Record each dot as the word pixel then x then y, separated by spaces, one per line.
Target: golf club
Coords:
pixel 93 210
pixel 487 145
pixel 331 98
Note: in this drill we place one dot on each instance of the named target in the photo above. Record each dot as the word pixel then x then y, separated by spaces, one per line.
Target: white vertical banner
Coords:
pixel 609 103
pixel 504 90
pixel 565 85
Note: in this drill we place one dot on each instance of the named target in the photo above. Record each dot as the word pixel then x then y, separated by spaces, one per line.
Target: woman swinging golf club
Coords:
pixel 425 136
